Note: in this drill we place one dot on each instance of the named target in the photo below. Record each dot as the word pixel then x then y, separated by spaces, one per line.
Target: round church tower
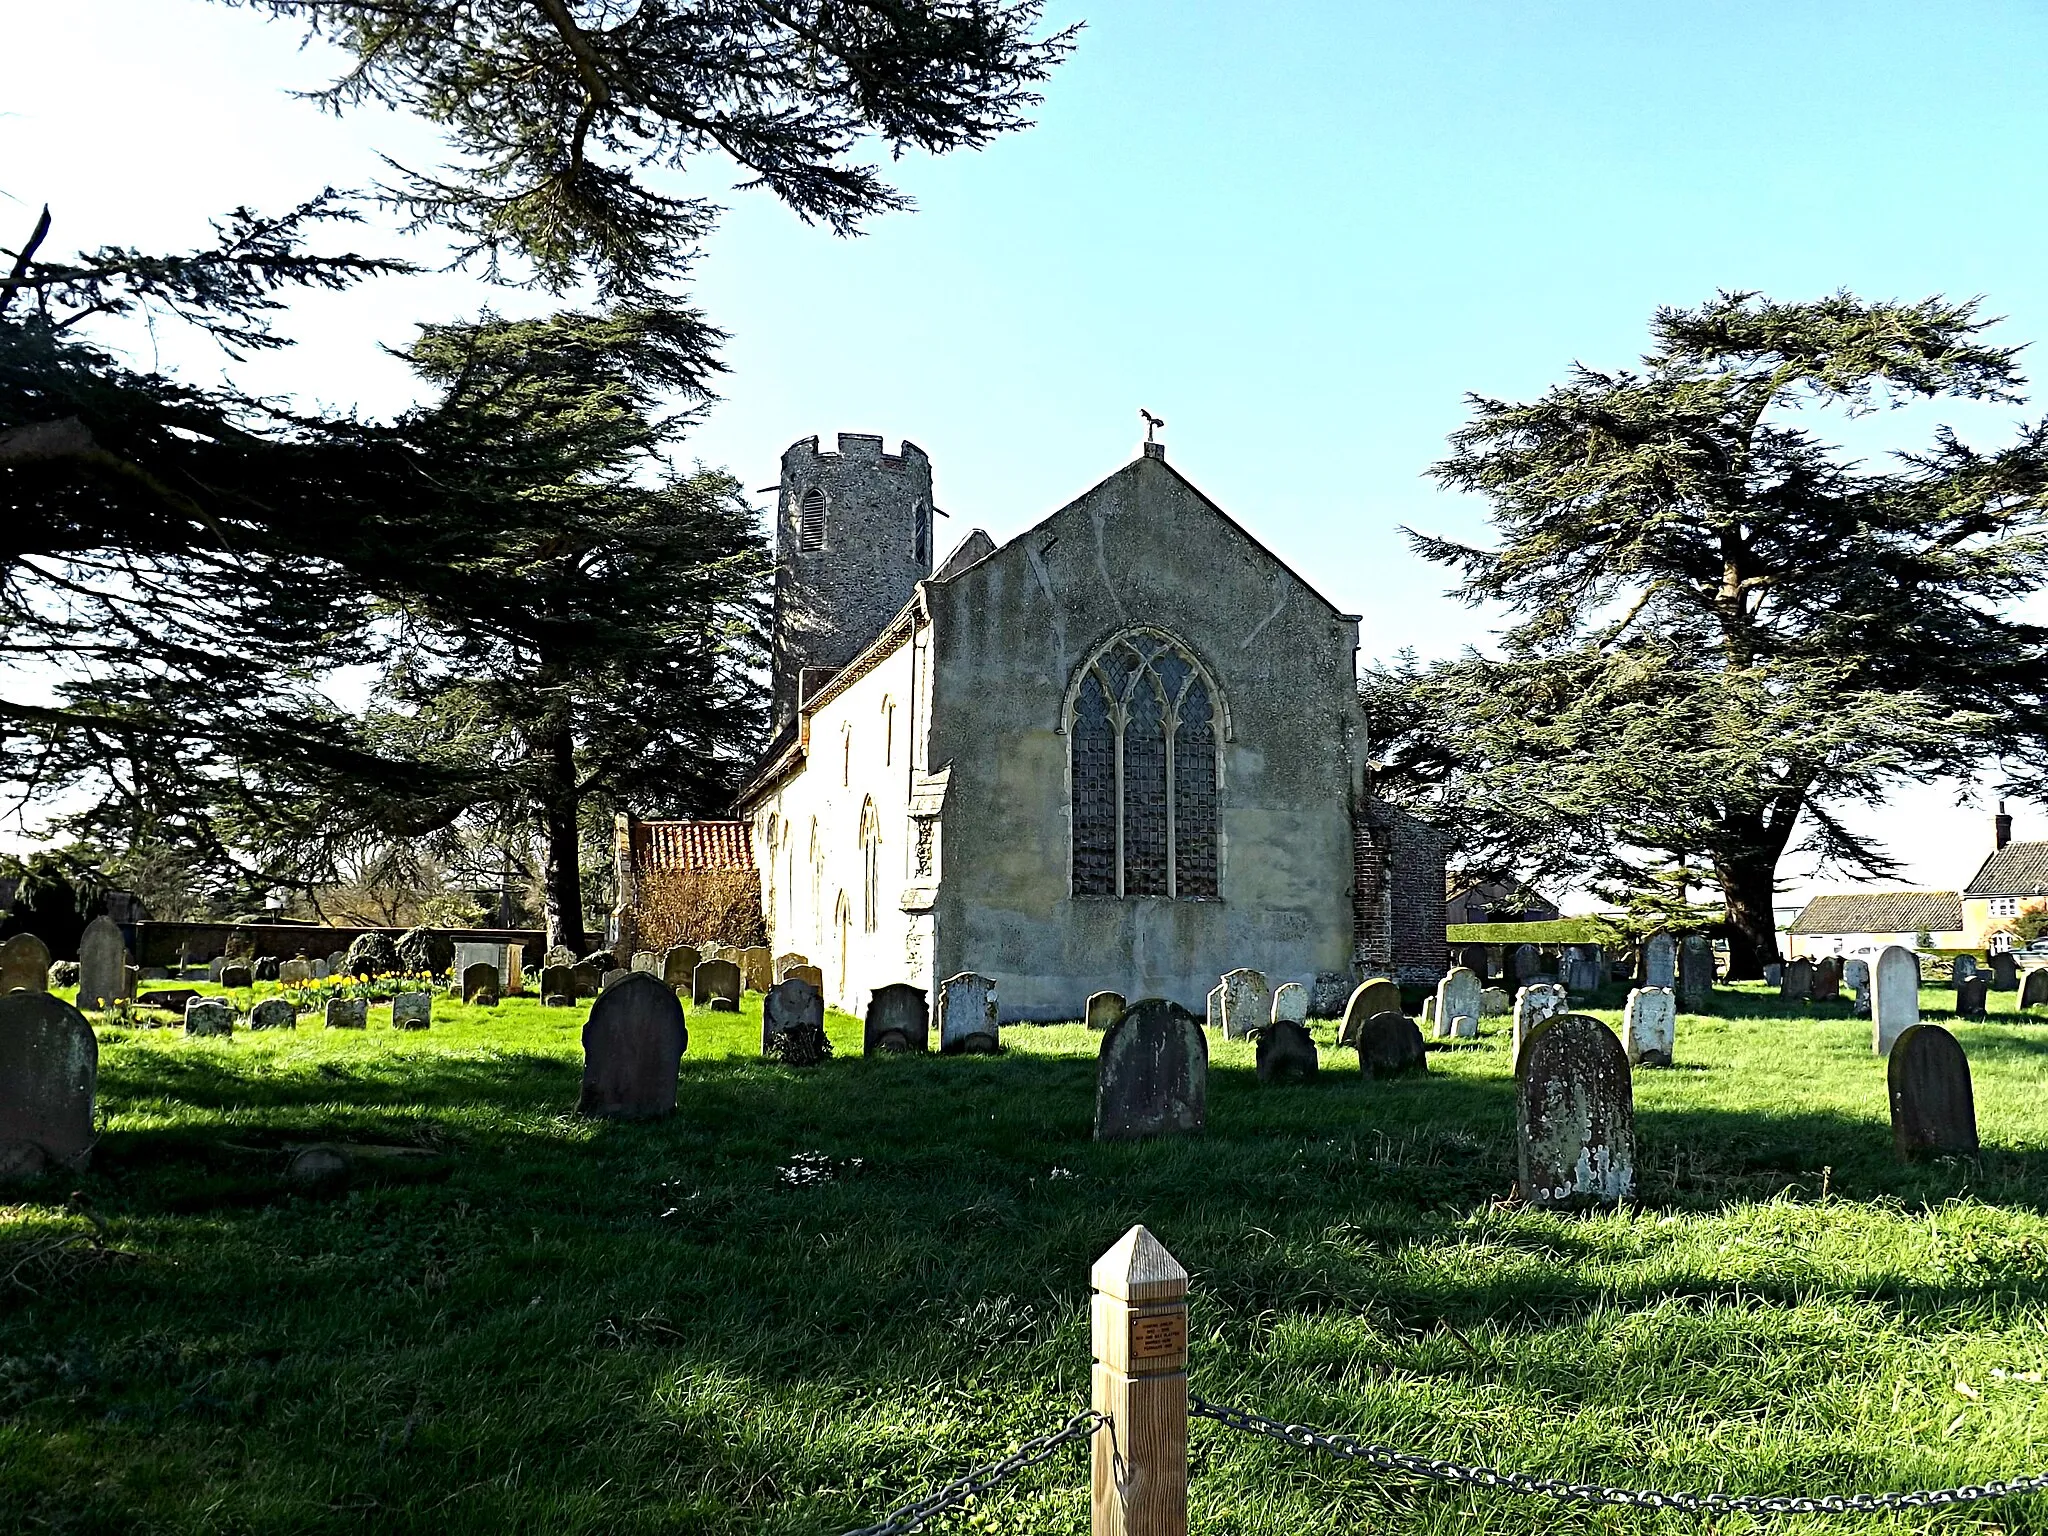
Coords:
pixel 853 537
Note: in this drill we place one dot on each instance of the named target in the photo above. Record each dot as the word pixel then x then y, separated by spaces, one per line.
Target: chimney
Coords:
pixel 2001 827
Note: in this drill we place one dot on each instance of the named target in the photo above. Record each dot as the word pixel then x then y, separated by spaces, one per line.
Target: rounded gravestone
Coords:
pixel 1895 989
pixel 679 964
pixel 556 982
pixel 2034 988
pixel 1934 1111
pixel 480 984
pixel 1827 979
pixel 49 1073
pixel 792 1021
pixel 237 978
pixel 715 981
pixel 898 1020
pixel 1473 957
pixel 1152 1073
pixel 1458 996
pixel 1390 1045
pixel 274 1013
pixel 2005 972
pixel 102 964
pixel 586 979
pixel 1524 964
pixel 1973 994
pixel 1247 1003
pixel 1104 1009
pixel 967 1015
pixel 1368 1000
pixel 24 964
pixel 633 1045
pixel 1575 1116
pixel 757 968
pixel 787 962
pixel 1290 1003
pixel 1796 984
pixel 1286 1053
pixel 1660 961
pixel 209 1016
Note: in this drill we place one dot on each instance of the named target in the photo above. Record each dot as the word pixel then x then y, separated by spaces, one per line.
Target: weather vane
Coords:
pixel 1152 423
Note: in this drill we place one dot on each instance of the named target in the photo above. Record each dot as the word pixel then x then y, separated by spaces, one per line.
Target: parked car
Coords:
pixel 2038 950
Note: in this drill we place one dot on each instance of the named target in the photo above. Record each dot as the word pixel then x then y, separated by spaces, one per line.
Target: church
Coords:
pixel 1123 751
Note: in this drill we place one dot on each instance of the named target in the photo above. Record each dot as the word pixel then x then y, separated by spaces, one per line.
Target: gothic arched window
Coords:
pixel 871 866
pixel 810 528
pixel 1143 739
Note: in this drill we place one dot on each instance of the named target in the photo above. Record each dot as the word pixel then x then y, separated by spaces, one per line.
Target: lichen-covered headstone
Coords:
pixel 1286 1054
pixel 2005 972
pixel 967 1014
pixel 1213 1017
pixel 1458 995
pixel 1290 1003
pixel 295 973
pixel 480 984
pixel 633 1045
pixel 1649 1026
pixel 757 968
pixel 1796 985
pixel 1327 997
pixel 898 1020
pixel 1972 994
pixel 1660 961
pixel 102 964
pixel 1247 1003
pixel 1934 1111
pixel 1896 994
pixel 1856 977
pixel 645 960
pixel 49 1072
pixel 2034 988
pixel 274 1013
pixel 1575 1116
pixel 558 954
pixel 1104 1009
pixel 1390 1045
pixel 24 964
pixel 792 1021
pixel 783 964
pixel 1374 997
pixel 348 1013
pixel 1533 1005
pixel 1494 1003
pixel 209 1016
pixel 714 981
pixel 1152 1073
pixel 412 1010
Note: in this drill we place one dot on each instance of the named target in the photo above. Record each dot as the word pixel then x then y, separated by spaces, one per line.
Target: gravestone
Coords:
pixel 348 1013
pixel 1774 971
pixel 215 966
pixel 1524 964
pixel 1473 957
pixel 295 973
pixel 559 954
pixel 24 964
pixel 1972 993
pixel 610 978
pixel 557 981
pixel 468 956
pixel 602 961
pixel 1327 997
pixel 1649 1026
pixel 784 962
pixel 171 999
pixel 2034 988
pixel 585 979
pixel 899 1019
pixel 274 1013
pixel 2005 973
pixel 811 973
pixel 1856 977
pixel 1151 1074
pixel 1389 1045
pixel 633 1045
pixel 1290 1003
pixel 1380 995
pixel 1695 972
pixel 1533 1006
pixel 717 980
pixel 320 969
pixel 63 973
pixel 102 964
pixel 1104 1009
pixel 1287 1053
pixel 49 1072
pixel 792 1020
pixel 967 1014
pixel 209 1016
pixel 1429 1015
pixel 1827 979
pixel 1962 968
pixel 1494 1003
pixel 237 978
pixel 1896 995
pixel 1660 961
pixel 1934 1111
pixel 1795 985
pixel 1581 969
pixel 757 968
pixel 1575 1116
pixel 480 984
pixel 1464 1026
pixel 646 960
pixel 412 1010
pixel 266 968
pixel 1213 1017
pixel 1247 1003
pixel 1458 996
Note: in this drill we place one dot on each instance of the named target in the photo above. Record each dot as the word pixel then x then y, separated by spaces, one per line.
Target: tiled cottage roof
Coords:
pixel 2017 869
pixel 1882 912
pixel 693 845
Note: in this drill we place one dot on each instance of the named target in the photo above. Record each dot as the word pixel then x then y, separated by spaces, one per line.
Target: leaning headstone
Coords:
pixel 237 978
pixel 1649 1026
pixel 645 960
pixel 2034 988
pixel 898 1019
pixel 1660 961
pixel 585 979
pixel 1390 1045
pixel 1796 985
pixel 1247 1003
pixel 2005 974
pixel 24 964
pixel 1473 957
pixel 1695 972
pixel 412 1010
pixel 1152 1073
pixel 1372 998
pixel 1494 1003
pixel 1896 991
pixel 1458 996
pixel 967 1014
pixel 1962 968
pixel 274 1013
pixel 1972 993
pixel 757 968
pixel 713 980
pixel 1533 1006
pixel 1327 997
pixel 480 984
pixel 102 964
pixel 1287 1053
pixel 1575 1116
pixel 1856 977
pixel 1827 979
pixel 557 981
pixel 1934 1111
pixel 1104 1009
pixel 1213 1016
pixel 295 973
pixel 633 1045
pixel 209 1016
pixel 1290 1003
pixel 1525 963
pixel 792 1020
pixel 348 1013
pixel 783 963
pixel 49 1072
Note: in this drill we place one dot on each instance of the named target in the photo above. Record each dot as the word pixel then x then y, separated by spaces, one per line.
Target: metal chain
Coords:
pixel 1594 1493
pixel 982 1479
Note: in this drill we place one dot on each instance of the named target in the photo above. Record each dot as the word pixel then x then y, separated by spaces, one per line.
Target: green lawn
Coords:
pixel 812 1294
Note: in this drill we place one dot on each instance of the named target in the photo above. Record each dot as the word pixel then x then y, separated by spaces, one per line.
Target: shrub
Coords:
pixel 716 906
pixel 425 951
pixel 372 954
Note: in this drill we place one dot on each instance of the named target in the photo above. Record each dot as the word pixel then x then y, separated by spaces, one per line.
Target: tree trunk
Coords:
pixel 563 874
pixel 1748 886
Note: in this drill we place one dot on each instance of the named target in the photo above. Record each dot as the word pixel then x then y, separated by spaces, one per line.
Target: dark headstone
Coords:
pixel 24 964
pixel 1972 992
pixel 209 1016
pixel 1287 1053
pixel 237 978
pixel 480 984
pixel 968 1015
pixel 1934 1111
pixel 1152 1073
pixel 49 1072
pixel 1369 1000
pixel 1695 975
pixel 348 1013
pixel 792 1020
pixel 102 964
pixel 585 978
pixel 899 1019
pixel 2034 988
pixel 265 968
pixel 679 964
pixel 1827 979
pixel 2005 972
pixel 1962 968
pixel 633 1044
pixel 1524 965
pixel 1390 1044
pixel 556 981
pixel 1796 984
pixel 1575 1114
pixel 715 979
pixel 412 1010
pixel 274 1013
pixel 1474 958
pixel 170 999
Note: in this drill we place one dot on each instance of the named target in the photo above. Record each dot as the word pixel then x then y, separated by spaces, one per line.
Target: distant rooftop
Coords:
pixel 2017 869
pixel 1882 912
pixel 692 845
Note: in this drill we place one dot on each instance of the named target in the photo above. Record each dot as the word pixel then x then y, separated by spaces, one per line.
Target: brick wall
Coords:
pixel 1398 904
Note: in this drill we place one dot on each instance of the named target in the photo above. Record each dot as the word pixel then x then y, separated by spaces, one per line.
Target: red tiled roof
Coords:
pixel 693 845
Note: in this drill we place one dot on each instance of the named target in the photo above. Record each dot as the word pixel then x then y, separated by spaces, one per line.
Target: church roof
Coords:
pixel 693 845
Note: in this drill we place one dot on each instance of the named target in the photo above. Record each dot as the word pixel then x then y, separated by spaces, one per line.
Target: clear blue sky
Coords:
pixel 1299 233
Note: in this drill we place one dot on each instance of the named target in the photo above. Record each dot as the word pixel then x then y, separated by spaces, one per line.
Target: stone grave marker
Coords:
pixel 815 975
pixel 1962 968
pixel 967 1014
pixel 716 981
pixel 1575 1116
pixel 209 1016
pixel 1972 994
pixel 1796 984
pixel 557 985
pixel 49 1072
pixel 1151 1074
pixel 1429 1015
pixel 480 984
pixel 1286 1053
pixel 1827 979
pixel 412 1010
pixel 2005 972
pixel 274 1013
pixel 784 962
pixel 1934 1111
pixel 1213 1018
pixel 1290 1003
pixel 295 973
pixel 559 954
pixel 321 969
pixel 170 999
pixel 610 978
pixel 348 1013
pixel 2034 988
pixel 102 964
pixel 792 1020
pixel 24 964
pixel 1896 993
pixel 1327 997
pixel 585 979
pixel 215 966
pixel 645 960
pixel 1533 1005
pixel 1494 1003
pixel 1104 1009
pixel 1380 995
pixel 237 978
pixel 757 968
pixel 1473 957
pixel 1458 996
pixel 1649 1026
pixel 468 956
pixel 1695 972
pixel 266 968
pixel 1247 1003
pixel 1390 1045
pixel 1464 1026
pixel 1856 977
pixel 633 1045
pixel 1660 961
pixel 1524 964
pixel 899 1019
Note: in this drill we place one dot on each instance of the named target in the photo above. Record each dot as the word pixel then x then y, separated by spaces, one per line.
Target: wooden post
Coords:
pixel 1140 1382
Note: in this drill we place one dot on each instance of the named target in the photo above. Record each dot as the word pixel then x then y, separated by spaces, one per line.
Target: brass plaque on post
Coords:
pixel 1161 1333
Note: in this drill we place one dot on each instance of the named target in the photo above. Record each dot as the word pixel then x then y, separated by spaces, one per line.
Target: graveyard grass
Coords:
pixel 815 1293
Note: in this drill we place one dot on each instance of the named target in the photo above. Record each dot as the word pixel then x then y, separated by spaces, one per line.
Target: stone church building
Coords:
pixel 1123 751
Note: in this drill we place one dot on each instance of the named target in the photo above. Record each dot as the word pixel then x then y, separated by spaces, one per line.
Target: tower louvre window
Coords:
pixel 921 535
pixel 811 519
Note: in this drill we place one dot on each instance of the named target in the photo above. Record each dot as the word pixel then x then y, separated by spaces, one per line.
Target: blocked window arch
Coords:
pixel 871 866
pixel 1144 738
pixel 810 524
